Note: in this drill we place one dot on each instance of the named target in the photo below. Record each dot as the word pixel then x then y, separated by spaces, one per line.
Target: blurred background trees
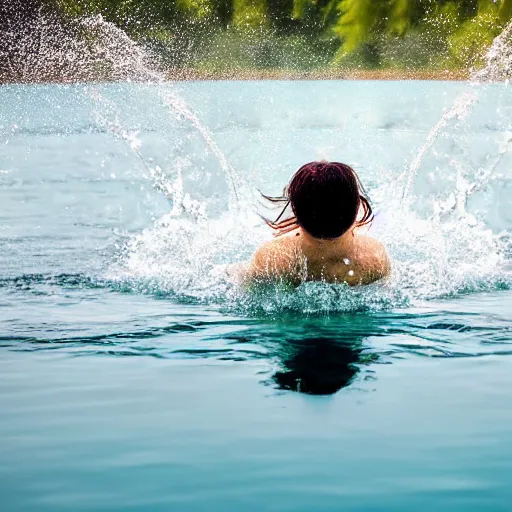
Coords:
pixel 305 34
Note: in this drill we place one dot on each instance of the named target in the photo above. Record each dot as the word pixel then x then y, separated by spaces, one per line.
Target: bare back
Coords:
pixel 354 259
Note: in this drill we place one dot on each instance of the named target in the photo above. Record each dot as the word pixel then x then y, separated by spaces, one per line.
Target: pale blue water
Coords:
pixel 392 397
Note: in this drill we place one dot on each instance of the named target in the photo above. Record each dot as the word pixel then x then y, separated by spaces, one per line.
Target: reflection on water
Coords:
pixel 319 366
pixel 316 356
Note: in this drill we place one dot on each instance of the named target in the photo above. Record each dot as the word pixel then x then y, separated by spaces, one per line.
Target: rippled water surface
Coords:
pixel 120 206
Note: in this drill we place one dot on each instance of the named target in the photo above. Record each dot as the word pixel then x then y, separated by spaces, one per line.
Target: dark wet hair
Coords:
pixel 326 199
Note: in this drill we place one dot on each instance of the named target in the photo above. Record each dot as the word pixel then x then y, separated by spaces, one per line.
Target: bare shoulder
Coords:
pixel 274 258
pixel 374 258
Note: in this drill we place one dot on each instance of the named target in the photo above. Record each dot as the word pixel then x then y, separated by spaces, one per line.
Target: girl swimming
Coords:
pixel 321 240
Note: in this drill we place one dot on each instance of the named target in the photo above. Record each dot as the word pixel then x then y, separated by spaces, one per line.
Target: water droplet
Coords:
pixel 346 261
pixel 350 273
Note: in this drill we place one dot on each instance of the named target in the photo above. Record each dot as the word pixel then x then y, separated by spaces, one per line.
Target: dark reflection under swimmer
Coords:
pixel 318 365
pixel 322 239
pixel 316 356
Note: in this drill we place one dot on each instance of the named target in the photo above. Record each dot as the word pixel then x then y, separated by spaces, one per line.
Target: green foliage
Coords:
pixel 307 34
pixel 442 20
pixel 300 7
pixel 356 21
pixel 505 11
pixel 237 49
pixel 197 9
pixel 400 17
pixel 417 49
pixel 469 43
pixel 249 13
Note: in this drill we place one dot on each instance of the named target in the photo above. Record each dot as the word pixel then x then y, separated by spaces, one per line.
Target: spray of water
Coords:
pixel 459 110
pixel 498 68
pixel 448 253
pixel 90 49
pixel 38 46
pixel 184 255
pixel 135 65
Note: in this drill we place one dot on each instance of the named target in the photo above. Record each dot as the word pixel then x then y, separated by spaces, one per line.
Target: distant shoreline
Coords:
pixel 349 74
pixel 183 75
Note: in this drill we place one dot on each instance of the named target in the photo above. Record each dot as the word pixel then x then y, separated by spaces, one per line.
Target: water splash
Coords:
pixel 136 65
pixel 498 59
pixel 444 254
pixel 459 110
pixel 498 68
pixel 39 46
pixel 185 254
pixel 453 251
pixel 178 105
pixel 89 49
pixel 431 259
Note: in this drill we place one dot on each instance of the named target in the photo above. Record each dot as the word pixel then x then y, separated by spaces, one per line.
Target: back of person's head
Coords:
pixel 326 199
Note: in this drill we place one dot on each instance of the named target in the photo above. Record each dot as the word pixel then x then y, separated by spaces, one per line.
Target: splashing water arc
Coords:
pixel 498 68
pixel 440 249
pixel 444 242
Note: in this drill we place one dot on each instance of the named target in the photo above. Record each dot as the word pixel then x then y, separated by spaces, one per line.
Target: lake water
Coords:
pixel 135 376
